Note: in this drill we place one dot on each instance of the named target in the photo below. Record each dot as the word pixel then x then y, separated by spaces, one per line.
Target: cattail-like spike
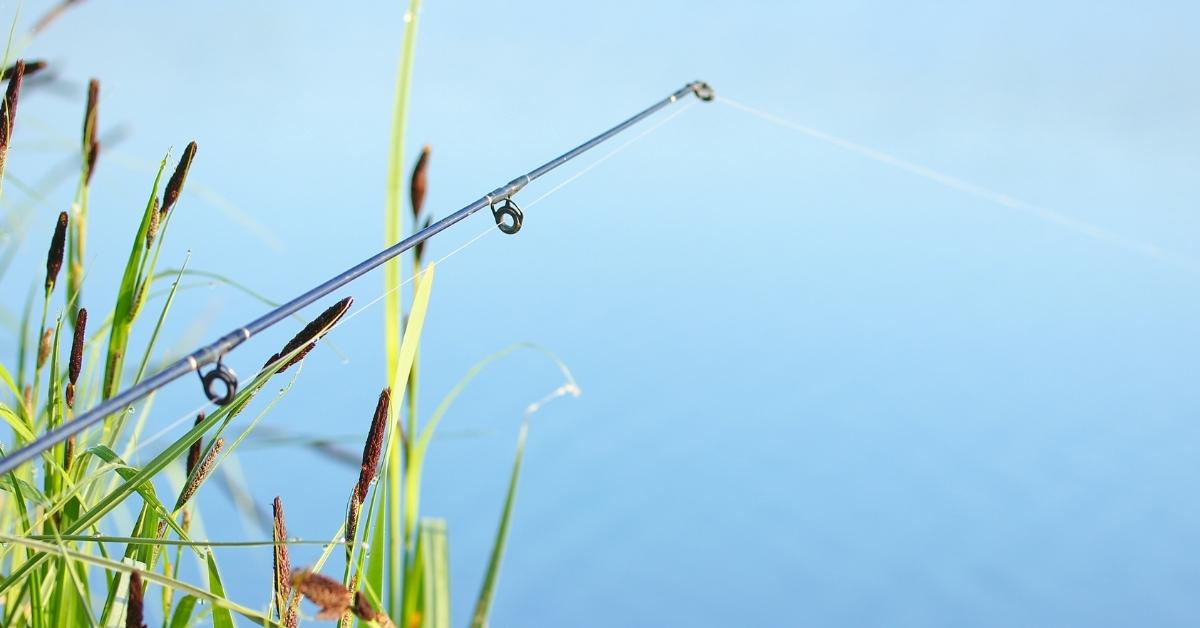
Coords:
pixel 91 113
pixel 8 110
pixel 283 569
pixel 312 332
pixel 334 600
pixel 92 155
pixel 68 453
pixel 76 364
pixel 367 611
pixel 31 68
pixel 193 457
pixel 152 230
pixel 418 183
pixel 134 606
pixel 372 450
pixel 201 474
pixel 328 594
pixel 175 184
pixel 44 347
pixel 54 257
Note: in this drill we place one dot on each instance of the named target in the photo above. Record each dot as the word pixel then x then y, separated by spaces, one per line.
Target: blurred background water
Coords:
pixel 817 390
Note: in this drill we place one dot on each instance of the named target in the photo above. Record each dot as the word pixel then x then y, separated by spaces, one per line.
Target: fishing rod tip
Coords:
pixel 703 91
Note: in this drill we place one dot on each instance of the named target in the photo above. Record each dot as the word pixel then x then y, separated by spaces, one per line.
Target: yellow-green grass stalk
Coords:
pixel 392 319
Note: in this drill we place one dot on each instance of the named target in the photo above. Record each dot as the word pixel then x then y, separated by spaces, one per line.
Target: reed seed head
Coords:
pixel 91 113
pixel 92 155
pixel 312 332
pixel 352 525
pixel 373 448
pixel 419 182
pixel 134 603
pixel 9 111
pixel 76 364
pixel 193 457
pixel 175 183
pixel 44 347
pixel 152 229
pixel 419 250
pixel 328 594
pixel 367 611
pixel 31 68
pixel 201 474
pixel 54 257
pixel 283 568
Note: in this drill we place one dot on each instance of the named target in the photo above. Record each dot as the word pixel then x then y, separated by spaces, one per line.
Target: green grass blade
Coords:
pixel 395 189
pixel 182 616
pixel 487 592
pixel 123 314
pixel 222 617
pixel 217 601
pixel 398 510
pixel 435 612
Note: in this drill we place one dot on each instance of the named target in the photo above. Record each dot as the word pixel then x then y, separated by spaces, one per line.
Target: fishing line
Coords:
pixel 189 416
pixel 491 230
pixel 1081 227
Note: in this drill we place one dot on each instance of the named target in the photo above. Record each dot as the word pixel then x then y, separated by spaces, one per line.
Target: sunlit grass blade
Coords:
pixel 435 610
pixel 182 616
pixel 393 217
pixel 487 592
pixel 127 292
pixel 221 616
pixel 217 601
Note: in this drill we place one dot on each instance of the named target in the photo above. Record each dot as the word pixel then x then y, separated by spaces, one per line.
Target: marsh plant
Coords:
pixel 65 560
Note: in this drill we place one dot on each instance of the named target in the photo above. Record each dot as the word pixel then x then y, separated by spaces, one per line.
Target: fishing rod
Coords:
pixel 220 383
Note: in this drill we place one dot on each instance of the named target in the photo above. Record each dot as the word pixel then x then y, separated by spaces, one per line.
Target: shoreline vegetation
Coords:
pixel 63 559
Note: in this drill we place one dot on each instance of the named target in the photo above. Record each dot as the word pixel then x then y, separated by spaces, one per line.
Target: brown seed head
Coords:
pixel 152 229
pixel 9 112
pixel 374 446
pixel 91 114
pixel 54 257
pixel 312 332
pixel 328 594
pixel 193 457
pixel 76 364
pixel 367 611
pixel 92 155
pixel 175 184
pixel 418 183
pixel 352 525
pixel 201 474
pixel 31 68
pixel 283 568
pixel 419 250
pixel 133 607
pixel 44 346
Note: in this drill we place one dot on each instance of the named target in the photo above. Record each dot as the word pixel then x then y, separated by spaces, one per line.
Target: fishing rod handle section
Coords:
pixel 508 219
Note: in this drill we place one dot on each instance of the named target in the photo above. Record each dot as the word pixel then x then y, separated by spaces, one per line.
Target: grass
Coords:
pixel 87 538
